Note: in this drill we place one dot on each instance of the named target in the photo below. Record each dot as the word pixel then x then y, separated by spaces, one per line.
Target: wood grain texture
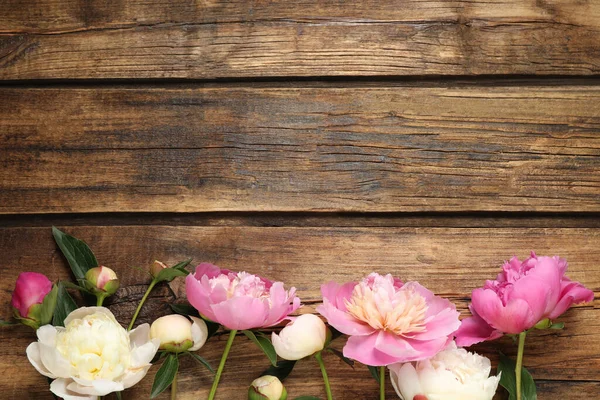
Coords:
pixel 76 39
pixel 449 261
pixel 370 148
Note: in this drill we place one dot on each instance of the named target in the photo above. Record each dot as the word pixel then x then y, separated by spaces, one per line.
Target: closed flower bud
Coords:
pixel 177 333
pixel 27 300
pixel 102 280
pixel 267 387
pixel 301 338
pixel 156 268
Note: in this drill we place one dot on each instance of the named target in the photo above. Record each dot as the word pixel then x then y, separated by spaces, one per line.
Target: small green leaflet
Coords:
pixel 509 382
pixel 281 370
pixel 265 344
pixel 374 372
pixel 77 253
pixel 201 361
pixel 48 306
pixel 165 375
pixel 64 306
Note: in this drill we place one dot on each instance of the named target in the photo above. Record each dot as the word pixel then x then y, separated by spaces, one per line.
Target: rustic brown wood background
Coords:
pixel 305 141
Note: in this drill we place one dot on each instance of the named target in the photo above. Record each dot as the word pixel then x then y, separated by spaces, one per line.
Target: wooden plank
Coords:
pixel 368 148
pixel 450 261
pixel 218 39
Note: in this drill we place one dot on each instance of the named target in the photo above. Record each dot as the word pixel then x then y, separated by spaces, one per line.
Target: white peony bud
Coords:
pixel 452 374
pixel 267 387
pixel 177 333
pixel 301 338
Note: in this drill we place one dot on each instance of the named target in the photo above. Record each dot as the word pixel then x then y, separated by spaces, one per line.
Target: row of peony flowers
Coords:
pixel 402 326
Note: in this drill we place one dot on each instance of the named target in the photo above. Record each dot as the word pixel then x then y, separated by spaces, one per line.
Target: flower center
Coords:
pixel 96 346
pixel 384 307
pixel 241 284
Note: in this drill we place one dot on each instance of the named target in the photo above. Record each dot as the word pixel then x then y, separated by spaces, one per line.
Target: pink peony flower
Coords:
pixel 239 300
pixel 388 322
pixel 522 295
pixel 30 289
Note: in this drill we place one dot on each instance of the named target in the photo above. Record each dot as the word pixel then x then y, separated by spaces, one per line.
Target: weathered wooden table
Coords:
pixel 305 141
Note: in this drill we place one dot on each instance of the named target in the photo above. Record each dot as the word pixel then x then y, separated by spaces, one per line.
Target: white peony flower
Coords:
pixel 267 387
pixel 301 338
pixel 177 333
pixel 452 374
pixel 92 355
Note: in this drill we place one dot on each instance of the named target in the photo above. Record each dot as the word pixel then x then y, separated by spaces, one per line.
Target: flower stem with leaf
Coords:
pixel 319 358
pixel 213 389
pixel 139 307
pixel 519 365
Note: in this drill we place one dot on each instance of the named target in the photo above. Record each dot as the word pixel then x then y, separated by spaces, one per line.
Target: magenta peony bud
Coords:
pixel 156 268
pixel 30 291
pixel 102 280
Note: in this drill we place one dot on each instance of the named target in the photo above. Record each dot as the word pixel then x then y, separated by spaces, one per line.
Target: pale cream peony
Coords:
pixel 177 333
pixel 453 374
pixel 92 355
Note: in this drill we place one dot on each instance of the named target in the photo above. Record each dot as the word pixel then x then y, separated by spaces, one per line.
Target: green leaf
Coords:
pixel 168 274
pixel 182 264
pixel 374 372
pixel 307 398
pixel 341 356
pixel 64 306
pixel 118 394
pixel 71 285
pixel 201 361
pixel 165 375
pixel 508 380
pixel 558 325
pixel 281 370
pixel 7 323
pixel 185 309
pixel 334 333
pixel 265 345
pixel 48 306
pixel 77 253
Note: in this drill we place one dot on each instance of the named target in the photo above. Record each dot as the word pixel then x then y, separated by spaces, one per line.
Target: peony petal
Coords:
pixel 30 288
pixel 82 312
pixel 47 335
pixel 571 293
pixel 513 318
pixel 337 294
pixel 198 296
pixel 362 349
pixel 444 323
pixel 54 362
pixel 537 293
pixel 342 321
pixel 241 312
pixel 199 333
pixel 404 349
pixel 142 355
pixel 209 270
pixel 133 376
pixel 405 380
pixel 140 335
pixel 33 354
pixel 96 387
pixel 59 388
pixel 280 304
pixel 475 330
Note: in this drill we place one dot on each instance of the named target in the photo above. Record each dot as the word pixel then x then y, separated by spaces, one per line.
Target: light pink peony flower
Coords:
pixel 388 322
pixel 30 289
pixel 522 295
pixel 239 300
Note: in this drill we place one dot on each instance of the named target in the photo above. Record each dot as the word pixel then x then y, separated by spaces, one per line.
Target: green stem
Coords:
pixel 382 383
pixel 99 300
pixel 139 307
pixel 520 362
pixel 174 387
pixel 319 358
pixel 213 390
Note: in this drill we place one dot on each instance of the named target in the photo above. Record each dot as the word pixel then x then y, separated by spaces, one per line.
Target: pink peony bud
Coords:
pixel 30 291
pixel 156 268
pixel 102 279
pixel 31 288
